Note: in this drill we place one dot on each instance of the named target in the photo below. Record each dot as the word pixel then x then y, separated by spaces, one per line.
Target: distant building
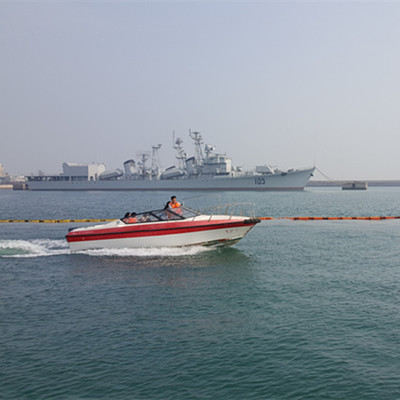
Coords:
pixel 4 177
pixel 2 174
pixel 89 172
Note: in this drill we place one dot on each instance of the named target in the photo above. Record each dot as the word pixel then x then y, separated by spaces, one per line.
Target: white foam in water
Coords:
pixel 148 252
pixel 48 247
pixel 33 248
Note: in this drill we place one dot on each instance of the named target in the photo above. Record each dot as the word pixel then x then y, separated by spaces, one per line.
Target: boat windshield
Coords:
pixel 163 215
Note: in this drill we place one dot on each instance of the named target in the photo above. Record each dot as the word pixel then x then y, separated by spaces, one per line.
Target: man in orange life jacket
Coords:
pixel 174 205
pixel 132 218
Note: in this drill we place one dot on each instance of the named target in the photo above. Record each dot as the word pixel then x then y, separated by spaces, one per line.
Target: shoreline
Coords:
pixel 337 183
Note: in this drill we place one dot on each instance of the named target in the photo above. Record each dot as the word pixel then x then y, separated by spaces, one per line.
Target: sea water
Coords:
pixel 295 310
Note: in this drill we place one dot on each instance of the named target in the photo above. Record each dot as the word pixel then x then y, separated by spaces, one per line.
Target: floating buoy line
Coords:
pixel 61 221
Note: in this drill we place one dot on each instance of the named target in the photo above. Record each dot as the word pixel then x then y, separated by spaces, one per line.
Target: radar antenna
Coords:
pixel 144 156
pixel 181 157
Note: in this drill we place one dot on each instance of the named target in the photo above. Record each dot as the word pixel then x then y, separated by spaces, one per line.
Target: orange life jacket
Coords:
pixel 175 205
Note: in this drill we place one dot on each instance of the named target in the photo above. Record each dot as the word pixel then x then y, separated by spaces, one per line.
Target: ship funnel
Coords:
pixel 130 167
pixel 190 165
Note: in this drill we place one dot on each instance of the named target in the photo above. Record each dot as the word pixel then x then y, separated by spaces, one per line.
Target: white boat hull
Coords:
pixel 221 237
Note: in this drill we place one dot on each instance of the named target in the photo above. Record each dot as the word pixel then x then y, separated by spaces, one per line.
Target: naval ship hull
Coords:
pixel 291 181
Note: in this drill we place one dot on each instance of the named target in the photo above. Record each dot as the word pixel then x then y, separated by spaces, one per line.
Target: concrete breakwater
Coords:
pixel 334 183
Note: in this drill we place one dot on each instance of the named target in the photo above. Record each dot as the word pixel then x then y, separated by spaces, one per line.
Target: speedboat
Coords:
pixel 164 228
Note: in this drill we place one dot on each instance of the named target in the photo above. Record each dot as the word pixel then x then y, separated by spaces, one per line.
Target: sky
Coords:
pixel 290 84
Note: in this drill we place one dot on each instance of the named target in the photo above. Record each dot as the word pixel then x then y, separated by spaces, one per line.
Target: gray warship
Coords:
pixel 205 170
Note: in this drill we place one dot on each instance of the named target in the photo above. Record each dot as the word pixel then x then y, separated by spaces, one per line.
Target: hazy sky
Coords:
pixel 290 84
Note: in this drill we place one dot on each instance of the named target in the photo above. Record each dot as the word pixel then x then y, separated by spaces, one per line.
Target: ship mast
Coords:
pixel 198 141
pixel 143 170
pixel 181 157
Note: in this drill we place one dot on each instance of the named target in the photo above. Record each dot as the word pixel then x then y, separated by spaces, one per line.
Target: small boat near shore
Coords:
pixel 165 228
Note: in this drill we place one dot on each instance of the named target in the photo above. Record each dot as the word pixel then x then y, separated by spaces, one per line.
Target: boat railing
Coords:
pixel 243 209
pixel 163 214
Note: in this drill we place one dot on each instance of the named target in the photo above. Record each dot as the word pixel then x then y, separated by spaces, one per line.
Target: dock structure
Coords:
pixel 355 185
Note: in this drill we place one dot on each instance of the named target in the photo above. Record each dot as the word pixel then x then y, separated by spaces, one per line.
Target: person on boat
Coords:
pixel 174 203
pixel 174 206
pixel 126 217
pixel 132 219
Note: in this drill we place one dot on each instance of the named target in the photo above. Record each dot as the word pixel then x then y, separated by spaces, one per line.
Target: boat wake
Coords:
pixel 32 248
pixel 48 247
pixel 147 252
